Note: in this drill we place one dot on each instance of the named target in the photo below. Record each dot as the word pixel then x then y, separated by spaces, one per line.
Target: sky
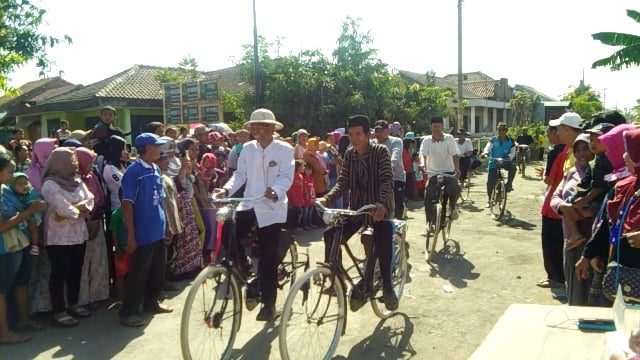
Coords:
pixel 545 44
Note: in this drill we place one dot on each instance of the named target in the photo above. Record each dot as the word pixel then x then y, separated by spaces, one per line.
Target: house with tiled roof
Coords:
pixel 486 99
pixel 29 94
pixel 135 93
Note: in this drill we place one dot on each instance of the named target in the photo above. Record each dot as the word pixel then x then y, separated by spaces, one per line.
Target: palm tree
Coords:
pixel 628 55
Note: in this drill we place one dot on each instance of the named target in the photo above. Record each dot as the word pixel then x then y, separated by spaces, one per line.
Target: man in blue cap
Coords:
pixel 144 218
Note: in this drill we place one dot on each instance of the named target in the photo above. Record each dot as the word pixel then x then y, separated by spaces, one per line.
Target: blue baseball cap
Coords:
pixel 145 139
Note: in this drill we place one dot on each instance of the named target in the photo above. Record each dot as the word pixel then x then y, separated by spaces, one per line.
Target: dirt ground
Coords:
pixel 446 310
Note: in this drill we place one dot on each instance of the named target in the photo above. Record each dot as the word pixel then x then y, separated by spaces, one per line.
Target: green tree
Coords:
pixel 187 70
pixel 584 101
pixel 235 107
pixel 21 40
pixel 629 44
pixel 523 105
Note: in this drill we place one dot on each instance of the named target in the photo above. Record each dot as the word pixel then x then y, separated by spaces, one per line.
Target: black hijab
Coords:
pixel 115 147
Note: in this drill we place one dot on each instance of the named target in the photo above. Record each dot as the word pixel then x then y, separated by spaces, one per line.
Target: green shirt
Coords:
pixel 118 228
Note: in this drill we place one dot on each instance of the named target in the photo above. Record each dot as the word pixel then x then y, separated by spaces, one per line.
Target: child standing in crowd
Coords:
pixel 18 196
pixel 205 183
pixel 70 203
pixel 420 176
pixel 309 198
pixel 121 257
pixel 296 193
pixel 15 264
pixel 144 219
pixel 63 133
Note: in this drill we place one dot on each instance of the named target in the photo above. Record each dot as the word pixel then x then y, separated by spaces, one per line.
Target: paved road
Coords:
pixel 446 311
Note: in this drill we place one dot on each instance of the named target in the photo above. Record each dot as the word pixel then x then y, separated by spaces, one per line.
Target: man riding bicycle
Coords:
pixel 265 167
pixel 465 148
pixel 366 178
pixel 500 147
pixel 439 155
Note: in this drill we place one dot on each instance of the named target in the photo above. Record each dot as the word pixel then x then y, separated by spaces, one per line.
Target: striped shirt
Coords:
pixel 366 179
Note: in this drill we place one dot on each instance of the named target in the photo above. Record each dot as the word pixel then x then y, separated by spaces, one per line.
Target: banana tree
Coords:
pixel 629 44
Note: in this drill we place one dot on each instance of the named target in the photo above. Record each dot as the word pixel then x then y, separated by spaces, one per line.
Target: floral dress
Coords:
pixel 188 247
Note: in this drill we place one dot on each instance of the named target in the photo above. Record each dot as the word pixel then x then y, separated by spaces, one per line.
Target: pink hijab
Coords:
pixel 42 150
pixel 86 158
pixel 615 145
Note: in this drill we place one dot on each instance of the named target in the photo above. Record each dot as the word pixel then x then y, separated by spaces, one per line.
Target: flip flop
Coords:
pixel 65 320
pixel 546 283
pixel 79 311
pixel 13 339
pixel 30 326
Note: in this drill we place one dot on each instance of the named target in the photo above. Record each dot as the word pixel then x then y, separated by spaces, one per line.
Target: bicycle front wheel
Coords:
pixel 399 270
pixel 313 317
pixel 434 231
pixel 211 315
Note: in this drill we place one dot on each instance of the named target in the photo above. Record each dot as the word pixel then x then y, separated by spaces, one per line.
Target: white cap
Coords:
pixel 569 119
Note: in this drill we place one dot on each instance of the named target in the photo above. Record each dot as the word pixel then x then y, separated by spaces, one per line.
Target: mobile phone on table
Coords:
pixel 597 325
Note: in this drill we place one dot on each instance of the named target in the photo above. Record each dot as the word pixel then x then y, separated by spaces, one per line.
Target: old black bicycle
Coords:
pixel 212 312
pixel 439 222
pixel 314 316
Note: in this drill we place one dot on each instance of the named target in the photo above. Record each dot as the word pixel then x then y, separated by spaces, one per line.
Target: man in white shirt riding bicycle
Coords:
pixel 265 166
pixel 465 147
pixel 439 155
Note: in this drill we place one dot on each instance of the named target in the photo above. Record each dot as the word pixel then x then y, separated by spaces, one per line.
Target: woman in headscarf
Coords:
pixel 94 285
pixel 624 189
pixel 70 204
pixel 42 149
pixel 562 203
pixel 319 171
pixel 115 159
pixel 39 282
pixel 188 259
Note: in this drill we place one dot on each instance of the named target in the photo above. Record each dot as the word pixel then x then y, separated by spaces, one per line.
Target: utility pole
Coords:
pixel 256 62
pixel 460 118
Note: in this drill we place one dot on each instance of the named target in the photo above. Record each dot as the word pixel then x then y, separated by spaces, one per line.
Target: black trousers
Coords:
pixel 267 250
pixel 66 271
pixel 492 176
pixel 398 194
pixel 465 164
pixel 382 244
pixel 553 248
pixel 145 278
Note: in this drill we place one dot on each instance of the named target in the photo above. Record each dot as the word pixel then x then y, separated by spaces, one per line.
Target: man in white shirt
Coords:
pixel 265 167
pixel 465 148
pixel 439 155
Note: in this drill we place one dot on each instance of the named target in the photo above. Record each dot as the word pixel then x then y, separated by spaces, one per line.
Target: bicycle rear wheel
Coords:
pixel 433 232
pixel 287 274
pixel 313 317
pixel 399 269
pixel 211 315
pixel 498 200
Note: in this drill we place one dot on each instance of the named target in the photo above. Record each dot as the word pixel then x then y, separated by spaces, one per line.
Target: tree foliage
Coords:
pixel 628 53
pixel 523 105
pixel 584 101
pixel 187 70
pixel 21 40
pixel 314 91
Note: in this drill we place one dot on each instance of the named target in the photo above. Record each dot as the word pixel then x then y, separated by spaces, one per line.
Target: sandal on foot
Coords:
pixel 79 311
pixel 65 320
pixel 12 339
pixel 544 283
pixel 30 325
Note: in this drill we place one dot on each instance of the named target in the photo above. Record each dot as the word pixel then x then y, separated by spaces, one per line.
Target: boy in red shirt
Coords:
pixel 296 192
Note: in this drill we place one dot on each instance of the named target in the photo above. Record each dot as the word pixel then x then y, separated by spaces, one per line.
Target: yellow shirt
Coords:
pixel 569 163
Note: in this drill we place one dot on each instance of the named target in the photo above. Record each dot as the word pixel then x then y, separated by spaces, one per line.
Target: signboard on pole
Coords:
pixel 191 102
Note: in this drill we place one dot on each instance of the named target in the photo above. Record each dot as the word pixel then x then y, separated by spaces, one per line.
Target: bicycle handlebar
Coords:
pixel 235 200
pixel 346 212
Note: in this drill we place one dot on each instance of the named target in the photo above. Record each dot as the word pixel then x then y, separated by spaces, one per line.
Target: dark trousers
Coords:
pixel 66 270
pixel 145 278
pixel 268 253
pixel 431 192
pixel 492 176
pixel 398 194
pixel 553 248
pixel 465 164
pixel 411 192
pixel 382 244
